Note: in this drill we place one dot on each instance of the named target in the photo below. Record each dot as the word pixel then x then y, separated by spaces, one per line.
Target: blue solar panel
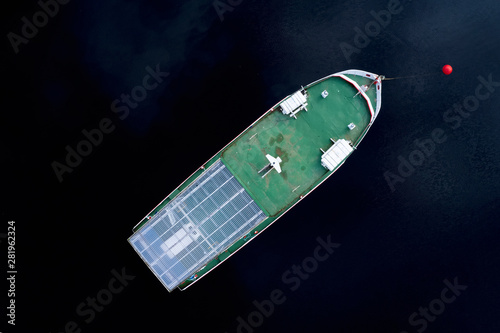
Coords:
pixel 192 229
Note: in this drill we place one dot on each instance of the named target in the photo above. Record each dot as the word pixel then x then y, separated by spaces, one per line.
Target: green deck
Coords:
pixel 297 142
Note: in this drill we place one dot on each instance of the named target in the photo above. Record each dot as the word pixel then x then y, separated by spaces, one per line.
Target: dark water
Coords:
pixel 403 241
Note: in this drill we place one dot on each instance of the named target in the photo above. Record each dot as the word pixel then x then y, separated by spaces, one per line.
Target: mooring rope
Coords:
pixel 407 77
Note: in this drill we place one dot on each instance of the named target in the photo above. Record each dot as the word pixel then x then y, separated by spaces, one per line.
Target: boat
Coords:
pixel 257 177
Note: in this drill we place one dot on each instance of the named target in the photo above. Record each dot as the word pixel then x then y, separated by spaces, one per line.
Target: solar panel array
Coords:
pixel 201 222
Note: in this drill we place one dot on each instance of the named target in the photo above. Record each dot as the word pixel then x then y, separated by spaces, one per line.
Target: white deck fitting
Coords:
pixel 294 104
pixel 197 225
pixel 274 162
pixel 336 154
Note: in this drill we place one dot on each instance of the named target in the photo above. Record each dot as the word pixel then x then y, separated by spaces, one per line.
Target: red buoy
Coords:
pixel 447 69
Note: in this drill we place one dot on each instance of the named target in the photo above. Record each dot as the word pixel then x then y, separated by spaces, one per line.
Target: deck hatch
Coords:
pixel 197 225
pixel 295 103
pixel 334 156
